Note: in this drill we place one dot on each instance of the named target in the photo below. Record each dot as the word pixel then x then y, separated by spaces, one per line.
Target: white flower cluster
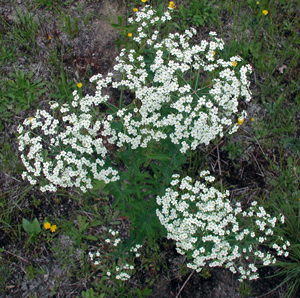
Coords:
pixel 68 150
pixel 184 92
pixel 135 250
pixel 211 231
pixel 124 275
pixel 121 272
pixel 120 269
pixel 114 241
pixel 94 257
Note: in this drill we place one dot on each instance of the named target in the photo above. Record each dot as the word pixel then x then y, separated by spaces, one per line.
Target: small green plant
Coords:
pixel 20 91
pixel 63 84
pixel 33 228
pixel 245 289
pixel 234 149
pixel 5 274
pixel 52 4
pixel 7 54
pixel 32 271
pixel 24 31
pixel 63 87
pixel 70 24
pixel 79 233
pixel 196 13
pixel 90 293
pixel 10 163
pixel 9 211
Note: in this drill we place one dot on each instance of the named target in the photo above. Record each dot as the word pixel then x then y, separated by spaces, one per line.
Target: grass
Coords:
pixel 269 145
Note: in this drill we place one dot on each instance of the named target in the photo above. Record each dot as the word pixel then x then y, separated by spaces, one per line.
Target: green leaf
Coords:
pixel 158 156
pixel 97 184
pixel 117 222
pixel 31 228
pixel 91 237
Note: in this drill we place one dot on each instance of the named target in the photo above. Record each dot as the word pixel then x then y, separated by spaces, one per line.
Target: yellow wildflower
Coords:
pixel 214 52
pixel 49 37
pixel 47 225
pixel 79 85
pixel 129 34
pixel 234 63
pixel 53 228
pixel 135 9
pixel 240 121
pixel 252 119
pixel 265 12
pixel 144 1
pixel 30 119
pixel 172 5
pixel 257 2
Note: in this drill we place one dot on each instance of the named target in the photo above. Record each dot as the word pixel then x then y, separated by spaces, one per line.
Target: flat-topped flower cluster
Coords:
pixel 65 151
pixel 212 231
pixel 183 92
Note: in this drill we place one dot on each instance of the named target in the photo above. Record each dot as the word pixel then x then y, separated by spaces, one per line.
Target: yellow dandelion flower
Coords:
pixel 144 1
pixel 234 63
pixel 252 119
pixel 53 228
pixel 49 37
pixel 214 53
pixel 129 34
pixel 47 225
pixel 265 12
pixel 172 5
pixel 257 2
pixel 135 9
pixel 240 121
pixel 79 85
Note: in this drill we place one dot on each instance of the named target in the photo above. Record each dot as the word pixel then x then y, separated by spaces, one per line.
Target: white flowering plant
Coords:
pixel 183 94
pixel 119 265
pixel 214 232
